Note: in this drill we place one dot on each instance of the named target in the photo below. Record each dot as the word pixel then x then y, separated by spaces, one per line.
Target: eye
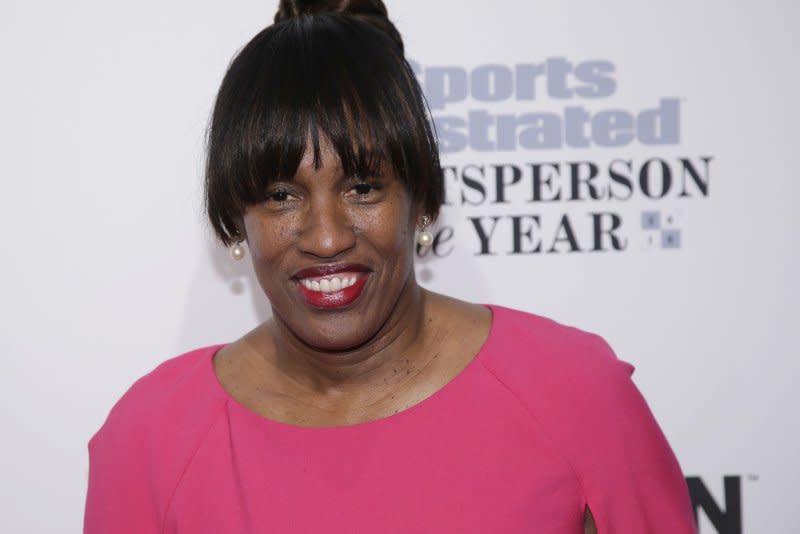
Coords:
pixel 363 188
pixel 362 191
pixel 278 196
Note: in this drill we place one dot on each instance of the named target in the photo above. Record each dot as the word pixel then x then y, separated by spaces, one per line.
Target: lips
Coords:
pixel 331 286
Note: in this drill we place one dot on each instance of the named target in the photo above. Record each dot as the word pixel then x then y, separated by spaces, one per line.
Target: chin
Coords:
pixel 329 331
pixel 334 339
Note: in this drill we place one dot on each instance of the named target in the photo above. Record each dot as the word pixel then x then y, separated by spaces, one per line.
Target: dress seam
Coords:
pixel 189 461
pixel 527 409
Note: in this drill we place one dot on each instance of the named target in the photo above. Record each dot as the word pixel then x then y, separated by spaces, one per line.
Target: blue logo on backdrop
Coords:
pixel 556 78
pixel 507 110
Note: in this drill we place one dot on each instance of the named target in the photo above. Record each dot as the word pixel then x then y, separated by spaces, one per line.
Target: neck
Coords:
pixel 383 361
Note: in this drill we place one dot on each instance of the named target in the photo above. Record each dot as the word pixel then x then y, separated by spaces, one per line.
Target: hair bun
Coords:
pixel 288 9
pixel 372 12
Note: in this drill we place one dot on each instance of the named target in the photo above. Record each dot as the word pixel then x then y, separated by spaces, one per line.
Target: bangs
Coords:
pixel 306 81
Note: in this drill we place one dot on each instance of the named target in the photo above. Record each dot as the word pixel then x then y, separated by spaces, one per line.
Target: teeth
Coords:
pixel 329 285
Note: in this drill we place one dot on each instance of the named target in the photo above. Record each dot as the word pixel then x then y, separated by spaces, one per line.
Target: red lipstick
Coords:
pixel 331 286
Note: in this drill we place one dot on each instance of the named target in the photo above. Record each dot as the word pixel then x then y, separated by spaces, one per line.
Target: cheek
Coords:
pixel 390 229
pixel 266 239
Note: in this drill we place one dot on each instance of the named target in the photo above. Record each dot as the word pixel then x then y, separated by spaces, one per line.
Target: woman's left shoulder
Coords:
pixel 532 345
pixel 581 397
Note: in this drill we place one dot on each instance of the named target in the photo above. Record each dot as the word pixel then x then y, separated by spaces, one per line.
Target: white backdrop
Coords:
pixel 109 268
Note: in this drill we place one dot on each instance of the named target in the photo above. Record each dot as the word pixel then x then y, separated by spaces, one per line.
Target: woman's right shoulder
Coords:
pixel 138 456
pixel 165 395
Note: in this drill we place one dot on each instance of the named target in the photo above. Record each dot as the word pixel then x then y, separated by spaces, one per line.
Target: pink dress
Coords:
pixel 543 421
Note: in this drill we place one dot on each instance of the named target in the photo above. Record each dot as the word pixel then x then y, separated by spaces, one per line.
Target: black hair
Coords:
pixel 318 73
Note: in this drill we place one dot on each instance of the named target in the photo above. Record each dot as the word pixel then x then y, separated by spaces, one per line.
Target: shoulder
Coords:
pixel 582 398
pixel 138 456
pixel 176 386
pixel 569 380
pixel 538 348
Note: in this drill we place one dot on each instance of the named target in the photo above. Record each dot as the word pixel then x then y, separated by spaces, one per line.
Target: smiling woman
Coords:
pixel 367 404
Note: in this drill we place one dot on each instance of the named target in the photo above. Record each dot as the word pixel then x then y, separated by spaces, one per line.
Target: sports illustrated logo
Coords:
pixel 725 520
pixel 556 78
pixel 577 205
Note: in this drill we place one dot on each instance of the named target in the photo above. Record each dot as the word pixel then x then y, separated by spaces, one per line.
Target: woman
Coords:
pixel 367 404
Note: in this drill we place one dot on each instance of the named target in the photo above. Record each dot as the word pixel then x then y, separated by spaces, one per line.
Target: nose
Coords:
pixel 327 229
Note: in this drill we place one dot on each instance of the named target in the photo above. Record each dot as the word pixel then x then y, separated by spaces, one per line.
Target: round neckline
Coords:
pixel 437 397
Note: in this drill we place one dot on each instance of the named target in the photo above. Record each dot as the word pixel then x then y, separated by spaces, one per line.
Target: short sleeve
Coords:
pixel 632 480
pixel 119 497
pixel 581 396
pixel 137 458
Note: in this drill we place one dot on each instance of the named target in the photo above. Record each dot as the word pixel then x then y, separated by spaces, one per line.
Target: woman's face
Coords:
pixel 333 253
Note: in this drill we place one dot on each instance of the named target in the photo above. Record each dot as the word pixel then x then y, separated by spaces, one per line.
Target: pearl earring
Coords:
pixel 237 251
pixel 424 236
